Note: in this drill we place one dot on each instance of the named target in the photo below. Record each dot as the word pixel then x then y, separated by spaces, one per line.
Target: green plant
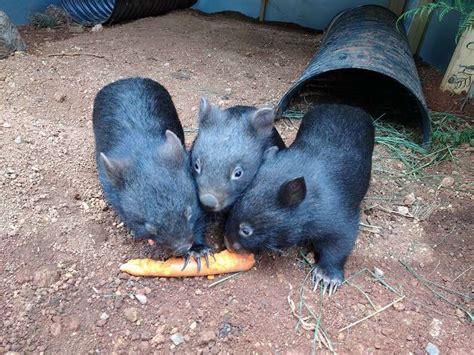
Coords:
pixel 464 8
pixel 43 20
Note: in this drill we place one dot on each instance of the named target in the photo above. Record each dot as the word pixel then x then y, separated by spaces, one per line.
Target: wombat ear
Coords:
pixel 204 109
pixel 114 169
pixel 172 150
pixel 292 192
pixel 270 153
pixel 262 120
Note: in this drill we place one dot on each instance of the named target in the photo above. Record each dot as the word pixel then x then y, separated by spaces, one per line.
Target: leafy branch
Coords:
pixel 464 8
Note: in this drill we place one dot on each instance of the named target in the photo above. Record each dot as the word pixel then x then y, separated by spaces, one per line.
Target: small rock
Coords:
pixel 97 28
pixel 432 349
pixel 206 337
pixel 18 140
pixel 228 91
pixel 403 210
pixel 131 314
pixel 177 339
pixel 435 327
pixel 378 272
pixel 399 306
pixel 409 199
pixel 46 276
pixel 224 330
pixel 447 181
pixel 146 335
pixel 73 324
pixel 198 292
pixel 459 313
pixel 59 97
pixel 101 322
pixel 55 329
pixel 193 326
pixel 76 29
pixel 6 125
pixel 104 316
pixel 141 298
pixel 158 339
pixel 144 346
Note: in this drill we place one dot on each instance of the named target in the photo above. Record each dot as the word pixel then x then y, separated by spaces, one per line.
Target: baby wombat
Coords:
pixel 311 191
pixel 228 151
pixel 143 166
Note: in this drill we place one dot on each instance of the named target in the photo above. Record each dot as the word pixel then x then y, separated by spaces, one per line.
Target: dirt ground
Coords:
pixel 61 247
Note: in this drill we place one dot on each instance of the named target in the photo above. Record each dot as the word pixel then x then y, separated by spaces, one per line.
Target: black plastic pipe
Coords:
pixel 364 56
pixel 93 12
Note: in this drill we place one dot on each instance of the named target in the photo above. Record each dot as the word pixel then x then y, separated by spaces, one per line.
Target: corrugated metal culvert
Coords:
pixel 365 60
pixel 92 12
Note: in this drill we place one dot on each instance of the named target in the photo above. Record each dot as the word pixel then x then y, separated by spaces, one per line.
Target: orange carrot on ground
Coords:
pixel 222 262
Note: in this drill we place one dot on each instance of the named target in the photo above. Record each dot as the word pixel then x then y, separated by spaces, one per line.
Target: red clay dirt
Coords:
pixel 61 246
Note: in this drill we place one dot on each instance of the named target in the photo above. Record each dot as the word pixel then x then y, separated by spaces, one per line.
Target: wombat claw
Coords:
pixel 326 283
pixel 197 252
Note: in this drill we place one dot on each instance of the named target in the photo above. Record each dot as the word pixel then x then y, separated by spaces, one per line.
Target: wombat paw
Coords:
pixel 198 251
pixel 327 283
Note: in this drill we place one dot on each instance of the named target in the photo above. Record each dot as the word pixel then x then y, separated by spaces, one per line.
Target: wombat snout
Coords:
pixel 212 201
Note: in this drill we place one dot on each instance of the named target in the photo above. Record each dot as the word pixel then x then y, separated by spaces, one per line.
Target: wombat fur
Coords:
pixel 310 192
pixel 143 166
pixel 228 151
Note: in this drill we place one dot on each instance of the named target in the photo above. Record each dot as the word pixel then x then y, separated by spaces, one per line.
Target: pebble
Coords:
pixel 435 327
pixel 104 316
pixel 18 140
pixel 73 324
pixel 378 272
pixel 206 337
pixel 432 349
pixel 144 346
pixel 198 292
pixel 59 97
pixel 447 181
pixel 399 306
pixel 131 314
pixel 459 313
pixel 409 199
pixel 193 326
pixel 158 339
pixel 146 335
pixel 76 29
pixel 141 298
pixel 46 276
pixel 101 322
pixel 228 91
pixel 6 125
pixel 97 28
pixel 55 329
pixel 403 210
pixel 177 339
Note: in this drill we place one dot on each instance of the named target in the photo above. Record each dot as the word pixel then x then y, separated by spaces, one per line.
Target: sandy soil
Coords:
pixel 60 246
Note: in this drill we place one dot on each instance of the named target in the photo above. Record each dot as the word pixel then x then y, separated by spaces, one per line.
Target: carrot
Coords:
pixel 221 263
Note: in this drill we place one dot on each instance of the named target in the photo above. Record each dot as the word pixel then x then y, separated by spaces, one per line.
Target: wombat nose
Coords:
pixel 232 246
pixel 209 201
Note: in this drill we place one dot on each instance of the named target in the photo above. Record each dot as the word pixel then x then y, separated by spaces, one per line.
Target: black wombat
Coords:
pixel 143 166
pixel 311 191
pixel 228 151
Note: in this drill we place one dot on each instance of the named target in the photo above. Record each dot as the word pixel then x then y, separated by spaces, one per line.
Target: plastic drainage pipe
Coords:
pixel 93 12
pixel 363 48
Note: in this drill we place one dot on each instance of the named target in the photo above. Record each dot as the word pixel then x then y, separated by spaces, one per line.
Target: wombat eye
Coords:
pixel 245 230
pixel 237 173
pixel 197 166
